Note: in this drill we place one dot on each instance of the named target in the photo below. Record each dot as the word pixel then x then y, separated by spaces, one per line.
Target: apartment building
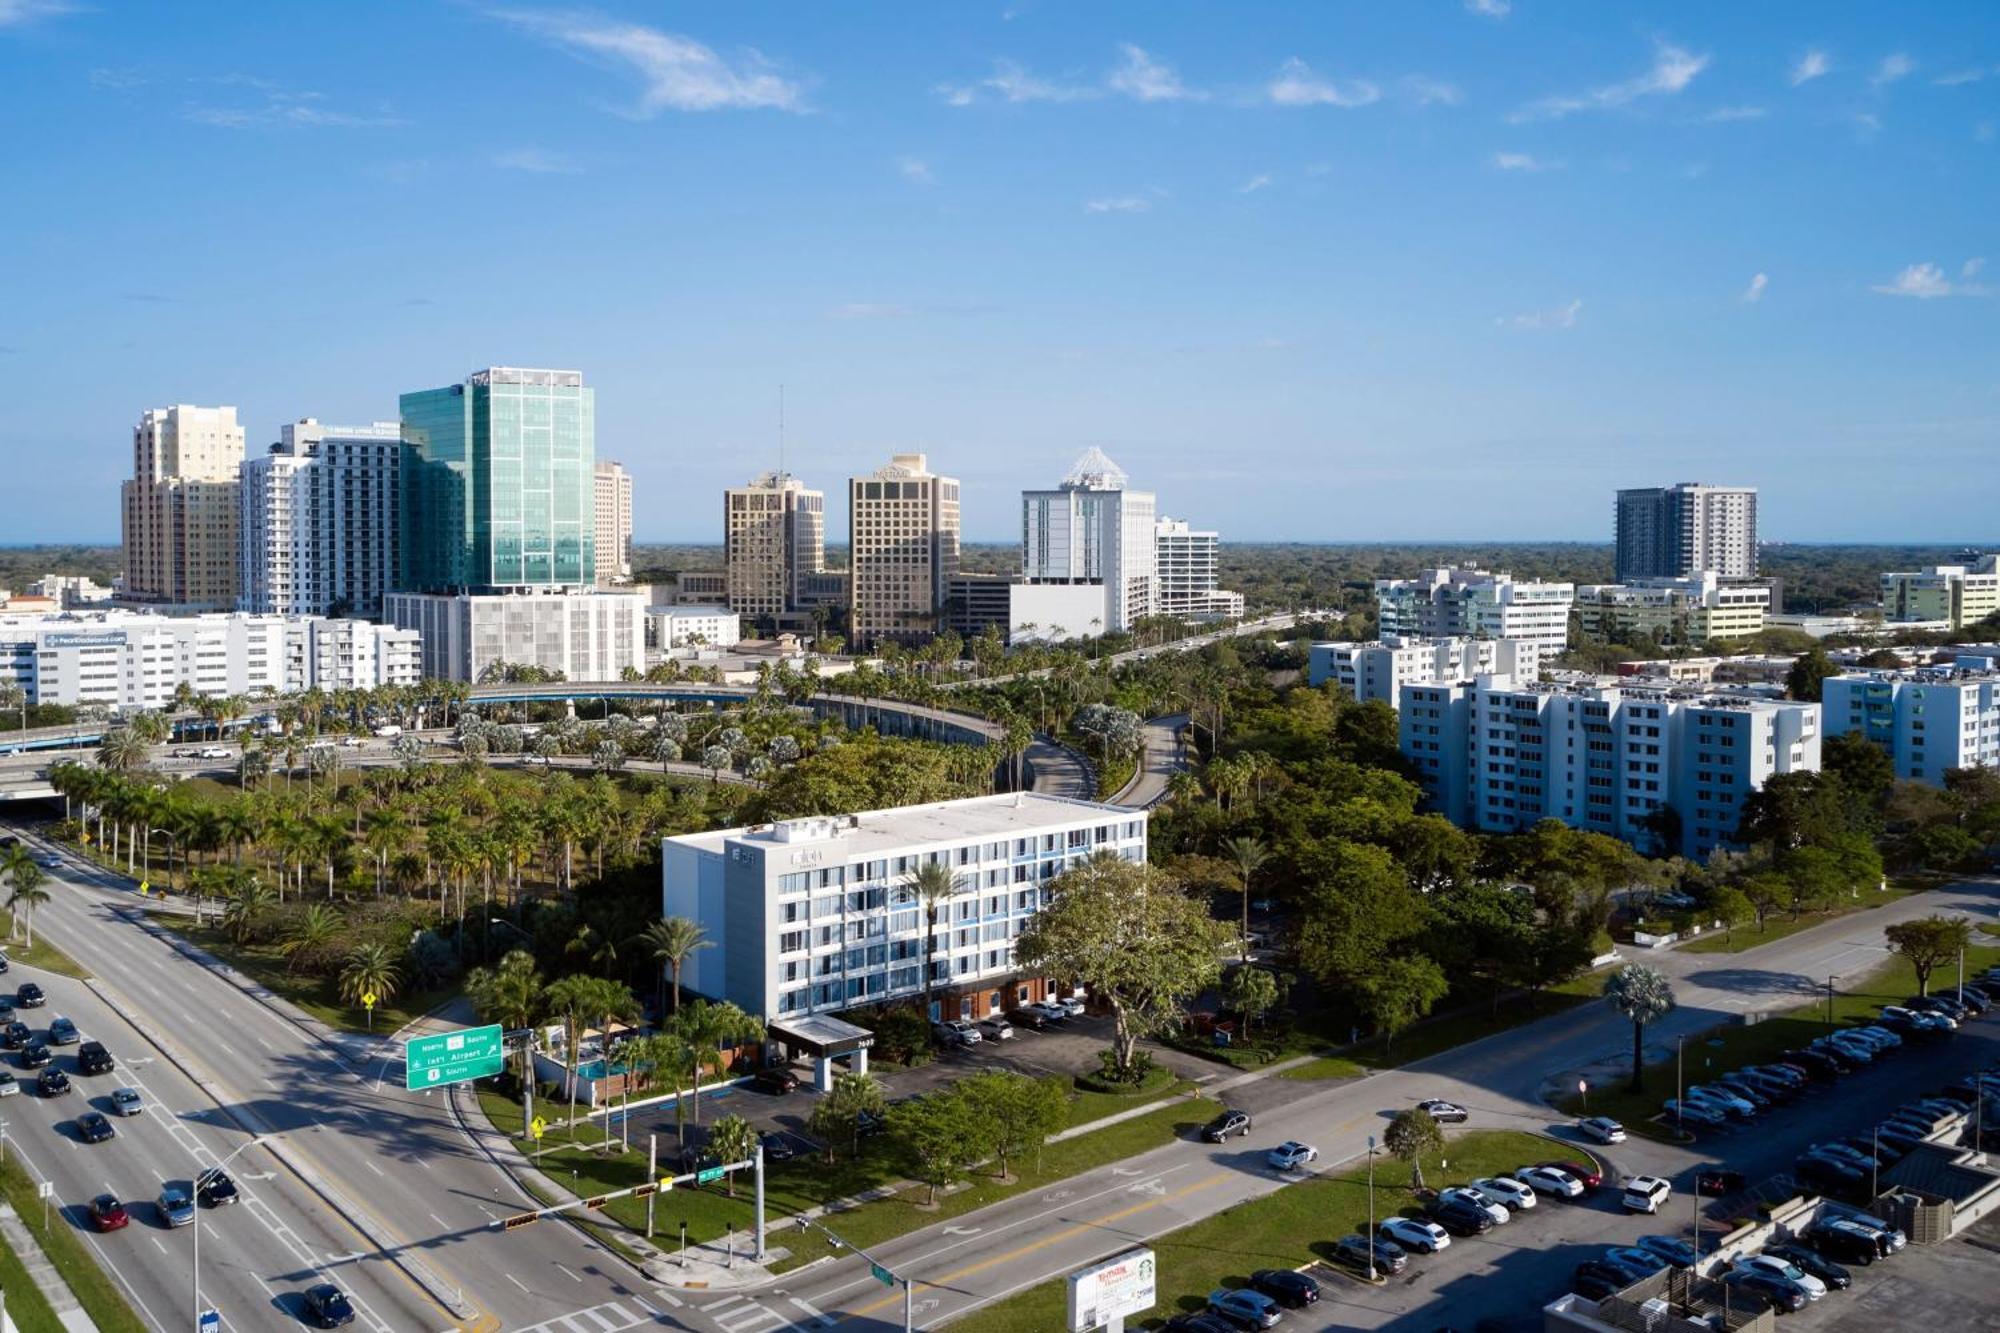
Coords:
pixel 1694 608
pixel 612 519
pixel 1666 770
pixel 1188 561
pixel 903 526
pixel 584 635
pixel 1380 669
pixel 774 541
pixel 1471 603
pixel 814 916
pixel 1929 720
pixel 1956 595
pixel 179 510
pixel 319 521
pixel 1094 528
pixel 1688 528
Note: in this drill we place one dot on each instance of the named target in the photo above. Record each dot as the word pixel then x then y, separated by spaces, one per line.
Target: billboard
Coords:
pixel 1111 1289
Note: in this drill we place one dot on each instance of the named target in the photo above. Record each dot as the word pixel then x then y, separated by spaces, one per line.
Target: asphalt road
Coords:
pixel 1161 755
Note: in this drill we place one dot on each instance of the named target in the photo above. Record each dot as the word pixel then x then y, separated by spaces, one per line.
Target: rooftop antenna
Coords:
pixel 781 431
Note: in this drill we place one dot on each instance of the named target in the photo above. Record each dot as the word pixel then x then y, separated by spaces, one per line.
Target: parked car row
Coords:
pixel 1261 1304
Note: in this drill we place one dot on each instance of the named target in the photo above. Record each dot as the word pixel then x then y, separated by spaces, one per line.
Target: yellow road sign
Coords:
pixel 538 1128
pixel 369 999
pixel 145 886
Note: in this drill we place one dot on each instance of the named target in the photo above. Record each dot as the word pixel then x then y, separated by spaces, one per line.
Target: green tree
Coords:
pixel 1129 934
pixel 1805 680
pixel 369 970
pixel 1014 1113
pixel 1249 855
pixel 1865 770
pixel 1728 905
pixel 931 885
pixel 839 1114
pixel 1640 995
pixel 249 899
pixel 1411 1136
pixel 732 1139
pixel 943 1135
pixel 509 994
pixel 669 942
pixel 1394 992
pixel 311 934
pixel 26 894
pixel 1251 991
pixel 709 1030
pixel 1928 943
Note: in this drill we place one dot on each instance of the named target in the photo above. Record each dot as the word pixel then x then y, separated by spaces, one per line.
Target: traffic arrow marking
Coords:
pixel 1152 1186
pixel 963 1231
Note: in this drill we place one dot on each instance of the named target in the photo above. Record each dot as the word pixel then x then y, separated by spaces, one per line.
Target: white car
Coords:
pixel 1602 1128
pixel 996 1028
pixel 1722 1097
pixel 1550 1180
pixel 350 742
pixel 1776 1267
pixel 1415 1235
pixel 211 752
pixel 1881 1036
pixel 1510 1192
pixel 1497 1211
pixel 1646 1194
pixel 1292 1155
pixel 1071 1004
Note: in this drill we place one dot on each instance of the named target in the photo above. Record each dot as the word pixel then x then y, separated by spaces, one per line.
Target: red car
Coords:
pixel 107 1214
pixel 1589 1175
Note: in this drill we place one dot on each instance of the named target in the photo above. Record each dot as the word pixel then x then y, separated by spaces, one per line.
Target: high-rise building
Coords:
pixel 500 483
pixel 1094 529
pixel 320 530
pixel 902 549
pixel 1671 531
pixel 1474 604
pixel 1929 720
pixel 1959 595
pixel 180 507
pixel 613 492
pixel 1188 561
pixel 774 539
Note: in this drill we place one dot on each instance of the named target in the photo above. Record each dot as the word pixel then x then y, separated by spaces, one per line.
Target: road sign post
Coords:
pixel 368 1003
pixel 708 1175
pixel 211 1322
pixel 652 1173
pixel 452 1057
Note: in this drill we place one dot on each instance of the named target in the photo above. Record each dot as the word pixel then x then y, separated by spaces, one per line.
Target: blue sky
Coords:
pixel 1326 271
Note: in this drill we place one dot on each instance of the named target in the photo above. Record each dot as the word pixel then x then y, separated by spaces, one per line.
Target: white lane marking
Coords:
pixel 517 1282
pixel 376 1169
pixel 571 1276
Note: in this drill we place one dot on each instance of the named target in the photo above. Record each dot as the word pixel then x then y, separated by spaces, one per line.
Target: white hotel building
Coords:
pixel 1452 603
pixel 1380 670
pixel 1600 755
pixel 813 916
pixel 1929 719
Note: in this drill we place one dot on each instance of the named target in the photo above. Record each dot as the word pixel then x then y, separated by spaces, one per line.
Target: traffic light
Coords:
pixel 519 1220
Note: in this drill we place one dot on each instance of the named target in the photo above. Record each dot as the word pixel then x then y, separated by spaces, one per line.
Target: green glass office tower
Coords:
pixel 499 494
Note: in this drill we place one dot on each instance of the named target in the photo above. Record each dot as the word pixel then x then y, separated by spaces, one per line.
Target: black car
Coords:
pixel 215 1190
pixel 92 1058
pixel 1389 1256
pixel 1716 1183
pixel 1828 1175
pixel 326 1306
pixel 52 1083
pixel 1460 1217
pixel 1850 1245
pixel 1229 1122
pixel 775 1081
pixel 16 1035
pixel 1028 1018
pixel 779 1148
pixel 92 1127
pixel 35 1056
pixel 30 996
pixel 1594 1279
pixel 1781 1293
pixel 1812 1263
pixel 1820 1065
pixel 1285 1287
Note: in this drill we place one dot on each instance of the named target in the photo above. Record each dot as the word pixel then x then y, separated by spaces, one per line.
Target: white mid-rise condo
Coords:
pixel 1957 595
pixel 319 525
pixel 1471 603
pixel 1930 719
pixel 1380 670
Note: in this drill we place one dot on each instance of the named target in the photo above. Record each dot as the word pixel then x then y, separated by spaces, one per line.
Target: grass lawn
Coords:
pixel 100 1295
pixel 1440 1034
pixel 1729 1048
pixel 1288 1229
pixel 1325 1066
pixel 27 1310
pixel 1749 937
pixel 318 996
pixel 807 1182
pixel 43 955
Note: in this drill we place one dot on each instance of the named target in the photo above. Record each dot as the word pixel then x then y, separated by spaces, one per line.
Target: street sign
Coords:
pixel 211 1322
pixel 45 1189
pixel 1111 1290
pixel 369 999
pixel 452 1057
pixel 708 1174
pixel 145 887
pixel 667 1183
pixel 538 1128
pixel 882 1275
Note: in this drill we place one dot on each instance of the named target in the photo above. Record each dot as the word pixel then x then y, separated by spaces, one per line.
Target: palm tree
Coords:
pixel 1640 995
pixel 27 894
pixel 249 899
pixel 122 750
pixel 568 1000
pixel 708 1029
pixel 382 833
pixel 1250 855
pixel 669 941
pixel 732 1139
pixel 318 926
pixel 931 884
pixel 510 995
pixel 369 971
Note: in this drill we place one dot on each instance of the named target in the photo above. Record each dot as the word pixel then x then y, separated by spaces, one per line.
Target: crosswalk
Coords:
pixel 611 1317
pixel 729 1314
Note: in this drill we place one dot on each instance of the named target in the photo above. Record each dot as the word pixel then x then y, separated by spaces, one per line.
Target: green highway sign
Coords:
pixel 708 1174
pixel 882 1275
pixel 452 1057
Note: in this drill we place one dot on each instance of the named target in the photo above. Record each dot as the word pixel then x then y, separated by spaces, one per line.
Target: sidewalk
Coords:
pixel 47 1280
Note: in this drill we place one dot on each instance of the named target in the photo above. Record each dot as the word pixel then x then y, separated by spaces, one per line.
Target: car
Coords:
pixel 17 1035
pixel 1939 1004
pixel 1244 1308
pixel 996 1028
pixel 1445 1113
pixel 1785 1073
pixel 1834 1180
pixel 326 1306
pixel 1291 1155
pixel 1714 1182
pixel 9 1085
pixel 1890 1238
pixel 1810 1261
pixel 1461 1217
pixel 1760 1098
pixel 1878 1034
pixel 350 742
pixel 1900 1019
pixel 1734 1103
pixel 1772 1264
pixel 1388 1256
pixel 211 752
pixel 1756 1081
pixel 1229 1122
pixel 6 1001
pixel 1028 1017
pixel 35 1055
pixel 1895 1137
pixel 1590 1176
pixel 1841 1152
pixel 1494 1210
pixel 776 1081
pixel 1637 1259
pixel 107 1214
pixel 215 1189
pixel 1779 1293
pixel 1817 1065
pixel 93 1058
pixel 1852 1050
pixel 127 1101
pixel 1645 1194
pixel 1839 1239
pixel 1071 1005
pixel 1676 1252
pixel 52 1083
pixel 1502 1190
pixel 1594 1279
pixel 29 996
pixel 956 1032
pixel 49 861
pixel 1050 1011
pixel 1867 1148
pixel 176 1209
pixel 95 1127
pixel 1693 1113
pixel 1602 1128
pixel 1414 1234
pixel 1287 1288
pixel 778 1147
pixel 1551 1180
pixel 1940 1107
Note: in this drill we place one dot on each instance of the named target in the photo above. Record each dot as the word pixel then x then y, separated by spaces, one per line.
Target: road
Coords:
pixel 1161 755
pixel 1277 622
pixel 989 1254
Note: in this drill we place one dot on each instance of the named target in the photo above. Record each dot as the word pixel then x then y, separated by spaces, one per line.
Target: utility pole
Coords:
pixel 1371 1208
pixel 760 1251
pixel 1829 1002
pixel 652 1173
pixel 1679 1093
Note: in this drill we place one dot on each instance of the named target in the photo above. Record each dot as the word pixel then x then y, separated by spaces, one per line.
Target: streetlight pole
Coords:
pixel 194 1201
pixel 1875 1164
pixel 1679 1041
pixel 1371 1208
pixel 1829 1002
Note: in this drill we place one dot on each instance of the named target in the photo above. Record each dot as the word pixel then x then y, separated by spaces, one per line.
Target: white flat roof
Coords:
pixel 876 832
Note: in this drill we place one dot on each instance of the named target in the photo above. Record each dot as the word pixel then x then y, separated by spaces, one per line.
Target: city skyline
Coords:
pixel 1506 263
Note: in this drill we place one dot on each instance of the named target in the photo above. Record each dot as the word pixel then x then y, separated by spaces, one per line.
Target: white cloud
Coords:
pixel 1722 115
pixel 1561 317
pixel 676 73
pixel 1867 122
pixel 1523 162
pixel 1140 76
pixel 1894 66
pixel 1755 291
pixel 1297 85
pixel 285 110
pixel 1927 282
pixel 1010 83
pixel 1812 65
pixel 1426 91
pixel 1492 9
pixel 1254 184
pixel 871 310
pixel 1673 69
pixel 13 13
pixel 537 160
pixel 1959 76
pixel 1128 203
pixel 1970 268
pixel 915 169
